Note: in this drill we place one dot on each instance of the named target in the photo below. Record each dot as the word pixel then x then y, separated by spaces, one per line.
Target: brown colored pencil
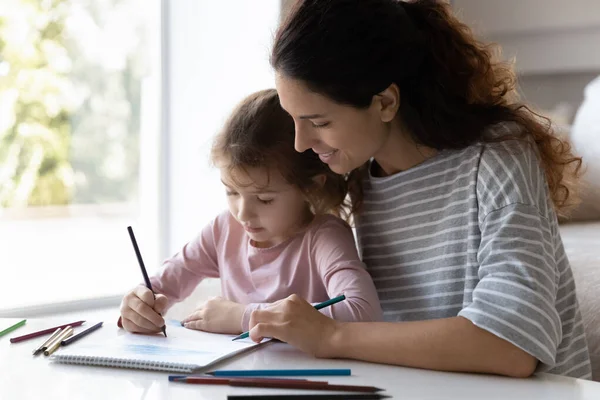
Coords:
pixel 281 384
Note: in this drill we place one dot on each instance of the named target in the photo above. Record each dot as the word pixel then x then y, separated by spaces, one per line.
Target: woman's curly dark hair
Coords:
pixel 452 87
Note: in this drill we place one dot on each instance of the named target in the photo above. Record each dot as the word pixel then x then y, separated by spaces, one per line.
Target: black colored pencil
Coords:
pixel 81 334
pixel 371 396
pixel 142 267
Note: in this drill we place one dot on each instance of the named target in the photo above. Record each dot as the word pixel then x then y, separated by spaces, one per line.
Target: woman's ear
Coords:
pixel 389 102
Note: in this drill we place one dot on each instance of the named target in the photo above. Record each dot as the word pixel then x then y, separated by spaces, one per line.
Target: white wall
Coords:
pixel 556 45
pixel 546 36
pixel 218 53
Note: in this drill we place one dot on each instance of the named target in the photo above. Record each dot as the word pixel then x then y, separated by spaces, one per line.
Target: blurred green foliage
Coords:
pixel 71 80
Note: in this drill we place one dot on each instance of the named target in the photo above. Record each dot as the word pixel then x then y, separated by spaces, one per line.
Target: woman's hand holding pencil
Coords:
pixel 295 321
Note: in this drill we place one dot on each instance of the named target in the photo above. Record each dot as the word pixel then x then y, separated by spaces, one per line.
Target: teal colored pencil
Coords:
pixel 12 328
pixel 317 307
pixel 280 372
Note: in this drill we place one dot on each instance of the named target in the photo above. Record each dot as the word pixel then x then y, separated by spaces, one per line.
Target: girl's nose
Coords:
pixel 244 213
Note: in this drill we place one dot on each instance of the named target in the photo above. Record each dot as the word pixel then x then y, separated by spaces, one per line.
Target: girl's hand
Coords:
pixel 141 311
pixel 217 315
pixel 296 322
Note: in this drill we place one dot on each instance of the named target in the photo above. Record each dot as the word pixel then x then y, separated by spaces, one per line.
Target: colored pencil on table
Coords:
pixel 81 334
pixel 211 380
pixel 54 345
pixel 13 327
pixel 282 372
pixel 319 306
pixel 47 342
pixel 353 396
pixel 43 332
pixel 278 383
pixel 142 267
pixel 175 378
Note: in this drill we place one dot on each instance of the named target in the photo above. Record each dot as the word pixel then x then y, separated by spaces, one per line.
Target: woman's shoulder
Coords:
pixel 502 157
pixel 506 148
pixel 510 172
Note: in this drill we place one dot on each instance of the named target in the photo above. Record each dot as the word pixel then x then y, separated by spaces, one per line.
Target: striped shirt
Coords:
pixel 473 233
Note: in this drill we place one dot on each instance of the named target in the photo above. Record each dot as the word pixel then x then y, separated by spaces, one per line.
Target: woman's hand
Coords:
pixel 296 322
pixel 217 315
pixel 141 311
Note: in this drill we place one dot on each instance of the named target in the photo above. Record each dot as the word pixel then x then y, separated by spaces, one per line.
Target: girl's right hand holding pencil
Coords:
pixel 141 310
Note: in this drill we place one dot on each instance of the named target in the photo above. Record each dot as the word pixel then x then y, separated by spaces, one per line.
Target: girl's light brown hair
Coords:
pixel 452 87
pixel 260 134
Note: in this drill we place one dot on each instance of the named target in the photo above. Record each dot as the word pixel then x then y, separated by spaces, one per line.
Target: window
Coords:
pixel 79 147
pixel 83 86
pixel 218 54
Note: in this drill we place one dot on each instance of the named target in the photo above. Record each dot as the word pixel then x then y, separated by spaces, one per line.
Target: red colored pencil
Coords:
pixel 42 333
pixel 218 380
pixel 212 380
pixel 174 378
pixel 281 384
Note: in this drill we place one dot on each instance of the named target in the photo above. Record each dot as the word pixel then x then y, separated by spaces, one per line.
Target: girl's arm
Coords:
pixel 450 344
pixel 334 253
pixel 335 258
pixel 335 264
pixel 141 311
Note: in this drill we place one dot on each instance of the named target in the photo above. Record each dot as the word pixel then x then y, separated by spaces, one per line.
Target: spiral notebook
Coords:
pixel 183 351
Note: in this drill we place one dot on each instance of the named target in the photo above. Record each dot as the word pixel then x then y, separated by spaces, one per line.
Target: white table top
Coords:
pixel 23 376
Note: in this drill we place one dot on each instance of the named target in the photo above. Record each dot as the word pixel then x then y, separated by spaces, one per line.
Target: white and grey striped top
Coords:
pixel 473 233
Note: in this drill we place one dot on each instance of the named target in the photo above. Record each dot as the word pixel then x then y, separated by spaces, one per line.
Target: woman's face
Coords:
pixel 344 137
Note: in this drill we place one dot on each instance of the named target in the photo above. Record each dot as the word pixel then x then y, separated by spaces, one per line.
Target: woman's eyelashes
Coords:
pixel 319 125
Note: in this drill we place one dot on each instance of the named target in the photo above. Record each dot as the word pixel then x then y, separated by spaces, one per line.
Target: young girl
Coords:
pixel 457 190
pixel 279 237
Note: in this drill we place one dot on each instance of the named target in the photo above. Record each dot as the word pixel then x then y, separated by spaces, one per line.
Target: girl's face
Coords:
pixel 345 137
pixel 268 207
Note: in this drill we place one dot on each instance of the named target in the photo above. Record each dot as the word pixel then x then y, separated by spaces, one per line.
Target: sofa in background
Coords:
pixel 581 233
pixel 582 245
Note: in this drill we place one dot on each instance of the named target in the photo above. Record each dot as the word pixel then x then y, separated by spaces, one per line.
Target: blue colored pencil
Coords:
pixel 282 372
pixel 317 307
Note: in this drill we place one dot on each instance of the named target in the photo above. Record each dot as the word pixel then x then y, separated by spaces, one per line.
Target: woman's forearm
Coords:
pixel 449 344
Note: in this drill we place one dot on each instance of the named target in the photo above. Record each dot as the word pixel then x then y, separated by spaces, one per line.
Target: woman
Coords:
pixel 456 190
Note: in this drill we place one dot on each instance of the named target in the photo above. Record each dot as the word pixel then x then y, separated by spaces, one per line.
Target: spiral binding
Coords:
pixel 125 363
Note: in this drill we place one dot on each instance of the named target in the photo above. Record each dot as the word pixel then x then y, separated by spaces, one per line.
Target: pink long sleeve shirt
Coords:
pixel 316 264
